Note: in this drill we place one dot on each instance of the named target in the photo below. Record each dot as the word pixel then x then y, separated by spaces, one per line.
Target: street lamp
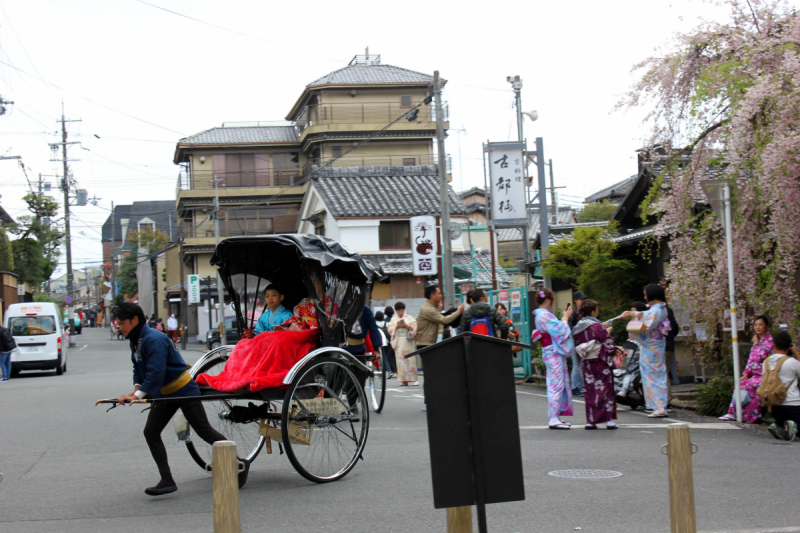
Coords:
pixel 719 196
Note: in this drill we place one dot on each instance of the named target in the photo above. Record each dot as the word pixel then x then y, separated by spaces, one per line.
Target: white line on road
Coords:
pixel 84 346
pixel 692 425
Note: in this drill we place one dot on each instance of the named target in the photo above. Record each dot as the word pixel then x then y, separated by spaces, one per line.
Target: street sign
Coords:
pixel 516 302
pixel 193 288
pixel 507 179
pixel 68 300
pixel 21 289
pixel 424 246
pixel 503 296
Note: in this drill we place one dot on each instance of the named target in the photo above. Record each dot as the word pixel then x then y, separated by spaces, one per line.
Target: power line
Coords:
pixel 90 100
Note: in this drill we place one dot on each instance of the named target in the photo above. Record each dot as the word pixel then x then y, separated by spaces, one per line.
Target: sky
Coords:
pixel 139 78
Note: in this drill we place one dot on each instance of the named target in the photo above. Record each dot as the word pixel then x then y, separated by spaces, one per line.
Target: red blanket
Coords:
pixel 262 362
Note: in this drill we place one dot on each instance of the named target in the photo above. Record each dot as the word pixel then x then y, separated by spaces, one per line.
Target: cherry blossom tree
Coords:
pixel 724 101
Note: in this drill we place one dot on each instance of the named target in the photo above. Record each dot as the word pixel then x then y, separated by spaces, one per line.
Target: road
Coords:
pixel 69 466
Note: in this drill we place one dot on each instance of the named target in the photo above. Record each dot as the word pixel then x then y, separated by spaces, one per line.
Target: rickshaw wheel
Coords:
pixel 248 441
pixel 376 385
pixel 322 435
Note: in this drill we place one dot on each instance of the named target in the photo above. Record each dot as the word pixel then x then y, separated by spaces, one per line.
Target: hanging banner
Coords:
pixel 193 288
pixel 507 183
pixel 424 246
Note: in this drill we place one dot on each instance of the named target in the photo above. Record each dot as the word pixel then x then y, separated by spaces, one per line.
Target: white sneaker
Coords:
pixel 414 384
pixel 622 394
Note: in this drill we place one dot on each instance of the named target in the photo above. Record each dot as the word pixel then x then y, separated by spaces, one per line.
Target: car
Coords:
pixel 42 342
pixel 231 334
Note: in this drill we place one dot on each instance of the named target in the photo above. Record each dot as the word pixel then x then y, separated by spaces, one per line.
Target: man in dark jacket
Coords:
pixel 7 345
pixel 576 378
pixel 479 308
pixel 356 342
pixel 159 371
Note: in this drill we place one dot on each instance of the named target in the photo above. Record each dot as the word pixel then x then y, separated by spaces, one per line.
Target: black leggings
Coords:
pixel 158 419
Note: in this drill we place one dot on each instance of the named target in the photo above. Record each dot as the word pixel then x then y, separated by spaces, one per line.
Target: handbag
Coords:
pixel 635 326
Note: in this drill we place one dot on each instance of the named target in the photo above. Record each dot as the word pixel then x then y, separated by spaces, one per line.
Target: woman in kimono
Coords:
pixel 595 346
pixel 652 339
pixel 762 348
pixel 403 330
pixel 557 346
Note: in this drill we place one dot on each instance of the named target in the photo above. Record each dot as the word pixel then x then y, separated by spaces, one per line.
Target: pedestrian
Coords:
pixel 172 327
pixel 160 325
pixel 596 349
pixel 652 327
pixel 363 327
pixel 388 313
pixel 386 348
pixel 430 318
pixel 152 322
pixel 7 345
pixel 513 334
pixel 403 332
pixel 787 413
pixel 557 345
pixel 763 347
pixel 576 378
pixel 159 371
pixel 480 311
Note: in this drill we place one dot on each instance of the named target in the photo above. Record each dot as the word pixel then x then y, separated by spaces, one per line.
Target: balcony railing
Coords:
pixel 275 177
pixel 376 161
pixel 206 230
pixel 364 113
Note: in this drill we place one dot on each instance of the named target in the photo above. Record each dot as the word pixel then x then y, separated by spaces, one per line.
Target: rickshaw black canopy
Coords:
pixel 302 264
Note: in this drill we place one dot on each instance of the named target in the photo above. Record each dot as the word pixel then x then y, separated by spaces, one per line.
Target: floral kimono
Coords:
pixel 596 349
pixel 403 342
pixel 652 361
pixel 556 347
pixel 751 380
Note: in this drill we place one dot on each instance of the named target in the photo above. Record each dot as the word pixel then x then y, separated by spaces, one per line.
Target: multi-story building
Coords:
pixel 366 114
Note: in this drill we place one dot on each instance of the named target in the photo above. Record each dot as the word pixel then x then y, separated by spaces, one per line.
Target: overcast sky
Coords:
pixel 140 78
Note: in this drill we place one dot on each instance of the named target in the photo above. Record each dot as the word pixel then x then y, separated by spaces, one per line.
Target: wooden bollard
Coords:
pixel 226 487
pixel 679 450
pixel 459 520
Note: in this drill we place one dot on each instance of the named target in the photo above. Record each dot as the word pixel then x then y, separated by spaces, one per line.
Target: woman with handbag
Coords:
pixel 596 349
pixel 403 330
pixel 763 347
pixel 650 328
pixel 556 340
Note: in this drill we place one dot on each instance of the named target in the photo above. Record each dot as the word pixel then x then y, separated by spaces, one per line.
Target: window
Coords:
pixel 145 227
pixel 337 151
pixel 405 100
pixel 319 230
pixel 240 170
pixel 21 326
pixel 409 161
pixel 394 235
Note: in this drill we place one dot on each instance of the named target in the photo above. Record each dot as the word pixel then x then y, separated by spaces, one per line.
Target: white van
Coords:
pixel 42 343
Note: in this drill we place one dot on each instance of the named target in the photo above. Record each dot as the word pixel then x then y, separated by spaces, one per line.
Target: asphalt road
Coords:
pixel 69 466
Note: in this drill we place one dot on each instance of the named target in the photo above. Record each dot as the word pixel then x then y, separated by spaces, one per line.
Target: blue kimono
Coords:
pixel 652 361
pixel 158 368
pixel 269 319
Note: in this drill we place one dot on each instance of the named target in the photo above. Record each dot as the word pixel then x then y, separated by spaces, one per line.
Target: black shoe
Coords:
pixel 163 487
pixel 243 474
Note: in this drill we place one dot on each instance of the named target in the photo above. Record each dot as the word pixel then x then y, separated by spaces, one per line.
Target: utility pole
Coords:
pixel 516 84
pixel 543 219
pixel 553 193
pixel 223 341
pixel 449 287
pixel 112 258
pixel 184 314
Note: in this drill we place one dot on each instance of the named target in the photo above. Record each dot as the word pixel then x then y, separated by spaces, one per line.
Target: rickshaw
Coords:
pixel 319 415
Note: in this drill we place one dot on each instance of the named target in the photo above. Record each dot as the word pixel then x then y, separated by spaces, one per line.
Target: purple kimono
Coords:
pixel 596 349
pixel 751 379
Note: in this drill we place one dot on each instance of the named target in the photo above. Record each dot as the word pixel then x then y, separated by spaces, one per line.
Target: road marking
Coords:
pixel 84 346
pixel 692 425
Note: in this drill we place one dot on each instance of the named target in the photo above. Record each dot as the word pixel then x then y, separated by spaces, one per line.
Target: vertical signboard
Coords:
pixel 424 246
pixel 503 294
pixel 506 174
pixel 193 288
pixel 516 302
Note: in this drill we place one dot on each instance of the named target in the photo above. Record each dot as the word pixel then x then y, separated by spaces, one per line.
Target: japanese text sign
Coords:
pixel 507 176
pixel 424 246
pixel 193 288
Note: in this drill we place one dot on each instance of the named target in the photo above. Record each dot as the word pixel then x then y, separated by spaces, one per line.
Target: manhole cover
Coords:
pixel 585 474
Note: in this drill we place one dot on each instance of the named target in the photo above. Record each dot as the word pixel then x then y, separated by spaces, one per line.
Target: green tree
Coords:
pixel 37 246
pixel 6 252
pixel 149 240
pixel 586 261
pixel 597 212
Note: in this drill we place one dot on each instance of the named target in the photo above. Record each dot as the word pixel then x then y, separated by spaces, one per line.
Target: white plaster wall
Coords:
pixel 360 235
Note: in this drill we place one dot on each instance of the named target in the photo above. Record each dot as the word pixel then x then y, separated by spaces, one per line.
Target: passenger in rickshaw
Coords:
pixel 276 314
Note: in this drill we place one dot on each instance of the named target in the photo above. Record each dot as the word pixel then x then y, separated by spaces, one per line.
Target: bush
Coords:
pixel 715 397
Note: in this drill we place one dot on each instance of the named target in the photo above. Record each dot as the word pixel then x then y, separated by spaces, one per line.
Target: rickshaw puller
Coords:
pixel 159 371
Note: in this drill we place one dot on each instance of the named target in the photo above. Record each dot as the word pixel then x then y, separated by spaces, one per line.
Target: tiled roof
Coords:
pixel 381 191
pixel 566 215
pixel 475 190
pixel 462 261
pixel 244 135
pixel 634 236
pixel 616 191
pixel 120 212
pixel 159 211
pixel 371 74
